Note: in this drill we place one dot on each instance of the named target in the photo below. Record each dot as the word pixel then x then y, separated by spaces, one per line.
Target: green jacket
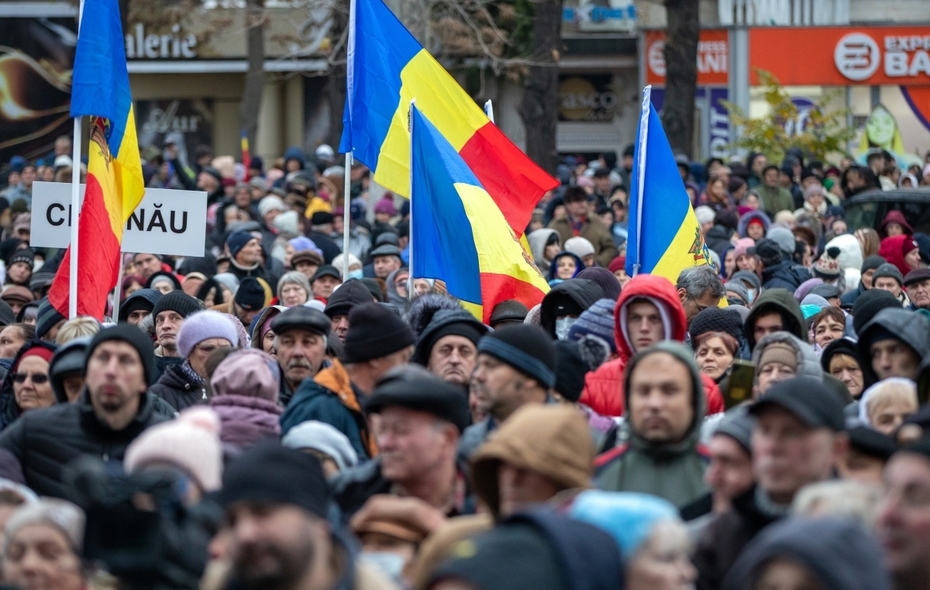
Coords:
pixel 674 471
pixel 774 199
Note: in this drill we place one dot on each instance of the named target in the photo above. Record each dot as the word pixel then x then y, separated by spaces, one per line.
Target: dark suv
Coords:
pixel 869 209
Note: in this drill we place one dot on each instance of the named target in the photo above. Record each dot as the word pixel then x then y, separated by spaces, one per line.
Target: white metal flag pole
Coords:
pixel 410 277
pixel 75 203
pixel 346 215
pixel 641 168
pixel 489 110
pixel 118 290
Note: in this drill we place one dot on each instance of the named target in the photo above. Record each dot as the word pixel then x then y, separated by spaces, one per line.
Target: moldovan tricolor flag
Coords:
pixel 100 90
pixel 386 69
pixel 664 235
pixel 458 234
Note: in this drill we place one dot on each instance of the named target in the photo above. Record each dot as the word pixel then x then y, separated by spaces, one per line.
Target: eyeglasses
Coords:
pixel 37 378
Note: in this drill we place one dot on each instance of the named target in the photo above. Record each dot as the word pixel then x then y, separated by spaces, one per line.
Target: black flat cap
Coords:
pixel 808 399
pixel 385 250
pixel 303 318
pixel 414 388
pixel 327 270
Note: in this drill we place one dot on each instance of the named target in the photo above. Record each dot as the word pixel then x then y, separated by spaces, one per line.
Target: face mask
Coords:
pixel 752 295
pixel 562 325
pixel 391 564
pixel 355 274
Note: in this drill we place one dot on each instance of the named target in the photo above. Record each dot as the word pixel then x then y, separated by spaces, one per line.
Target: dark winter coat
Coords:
pixel 583 292
pixel 725 537
pixel 911 328
pixel 784 275
pixel 849 299
pixel 179 389
pixel 330 397
pixel 162 363
pixel 45 441
pixel 247 420
pixel 717 238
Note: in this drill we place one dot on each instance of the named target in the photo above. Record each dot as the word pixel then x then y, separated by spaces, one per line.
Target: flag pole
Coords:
pixel 410 277
pixel 346 217
pixel 75 201
pixel 118 290
pixel 641 181
pixel 489 110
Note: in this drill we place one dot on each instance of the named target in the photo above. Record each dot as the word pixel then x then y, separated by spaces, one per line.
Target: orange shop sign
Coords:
pixel 842 56
pixel 713 58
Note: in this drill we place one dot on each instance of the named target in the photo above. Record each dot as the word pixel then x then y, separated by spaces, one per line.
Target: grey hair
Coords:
pixel 839 498
pixel 700 280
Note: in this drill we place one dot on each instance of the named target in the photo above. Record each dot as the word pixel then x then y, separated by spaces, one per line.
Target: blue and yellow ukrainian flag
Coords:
pixel 100 90
pixel 386 69
pixel 664 235
pixel 458 234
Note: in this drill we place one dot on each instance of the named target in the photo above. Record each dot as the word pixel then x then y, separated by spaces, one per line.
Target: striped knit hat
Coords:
pixel 597 320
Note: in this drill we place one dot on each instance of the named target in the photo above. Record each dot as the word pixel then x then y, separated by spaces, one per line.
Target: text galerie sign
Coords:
pixel 165 222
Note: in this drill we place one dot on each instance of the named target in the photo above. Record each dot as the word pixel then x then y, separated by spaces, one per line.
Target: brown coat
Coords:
pixel 594 231
pixel 550 439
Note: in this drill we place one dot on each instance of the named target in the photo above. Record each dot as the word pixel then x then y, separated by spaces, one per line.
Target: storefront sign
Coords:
pixel 842 56
pixel 713 61
pixel 714 129
pixel 165 222
pixel 587 98
pixel 586 16
pixel 189 122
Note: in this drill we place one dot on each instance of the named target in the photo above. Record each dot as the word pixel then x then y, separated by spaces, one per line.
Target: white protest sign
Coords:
pixel 165 222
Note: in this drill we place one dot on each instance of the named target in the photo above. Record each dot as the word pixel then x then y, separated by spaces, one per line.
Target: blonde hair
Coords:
pixel 869 240
pixel 77 328
pixel 841 498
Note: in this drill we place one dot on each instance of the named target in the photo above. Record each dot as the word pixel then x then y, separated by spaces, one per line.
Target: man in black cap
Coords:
pixel 351 293
pixel 251 298
pixel 449 345
pixel 169 315
pixel 324 281
pixel 420 420
pixel 113 410
pixel 867 270
pixel 917 285
pixel 887 277
pixel 300 342
pixel 385 260
pixel 508 312
pixel 798 439
pixel 903 526
pixel 892 345
pixel 321 224
pixel 515 366
pixel 377 341
pixel 209 180
pixel 276 504
pixel 777 271
pixel 139 305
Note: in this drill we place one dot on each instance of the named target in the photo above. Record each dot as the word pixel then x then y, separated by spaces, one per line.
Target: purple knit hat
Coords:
pixel 249 372
pixel 204 325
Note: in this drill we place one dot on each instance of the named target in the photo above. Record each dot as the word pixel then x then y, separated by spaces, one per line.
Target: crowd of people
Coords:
pixel 281 414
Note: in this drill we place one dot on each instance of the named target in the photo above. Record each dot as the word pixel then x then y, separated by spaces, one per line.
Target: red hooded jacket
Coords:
pixel 603 391
pixel 894 249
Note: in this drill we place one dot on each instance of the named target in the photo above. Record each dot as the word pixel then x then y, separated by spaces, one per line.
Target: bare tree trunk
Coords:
pixel 540 107
pixel 336 81
pixel 681 44
pixel 255 77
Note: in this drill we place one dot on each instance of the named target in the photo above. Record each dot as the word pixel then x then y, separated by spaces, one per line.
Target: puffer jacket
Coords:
pixel 783 302
pixel 537 240
pixel 45 441
pixel 9 410
pixel 673 471
pixel 330 397
pixel 178 387
pixel 603 390
pixel 247 420
pixel 911 328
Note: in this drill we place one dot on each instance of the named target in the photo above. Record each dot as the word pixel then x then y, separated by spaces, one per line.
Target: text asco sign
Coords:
pixel 165 222
pixel 842 56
